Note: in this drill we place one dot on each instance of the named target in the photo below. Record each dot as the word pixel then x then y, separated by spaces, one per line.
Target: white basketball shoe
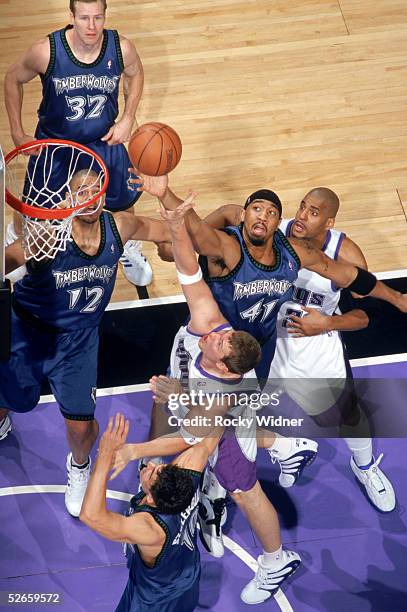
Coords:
pixel 136 268
pixel 76 487
pixel 378 487
pixel 293 463
pixel 267 581
pixel 5 427
pixel 212 515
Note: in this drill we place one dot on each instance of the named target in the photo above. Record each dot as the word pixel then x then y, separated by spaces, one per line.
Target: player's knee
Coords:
pixel 80 429
pixel 242 498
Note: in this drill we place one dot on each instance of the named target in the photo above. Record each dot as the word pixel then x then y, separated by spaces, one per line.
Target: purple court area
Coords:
pixel 354 558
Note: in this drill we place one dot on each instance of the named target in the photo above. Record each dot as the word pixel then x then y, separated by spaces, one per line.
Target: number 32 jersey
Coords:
pixel 80 100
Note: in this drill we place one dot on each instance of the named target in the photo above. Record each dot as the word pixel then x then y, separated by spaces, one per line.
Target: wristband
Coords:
pixel 189 279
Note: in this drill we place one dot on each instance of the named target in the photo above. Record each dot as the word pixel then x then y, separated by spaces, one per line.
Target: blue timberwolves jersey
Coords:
pixel 250 296
pixel 177 566
pixel 80 101
pixel 73 290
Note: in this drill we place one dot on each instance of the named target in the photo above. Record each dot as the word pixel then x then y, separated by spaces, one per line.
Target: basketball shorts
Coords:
pixel 233 466
pixel 187 601
pixel 67 360
pixel 120 194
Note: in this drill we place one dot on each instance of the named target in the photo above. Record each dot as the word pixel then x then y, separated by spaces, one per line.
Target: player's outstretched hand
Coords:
pixel 313 324
pixel 164 386
pixel 115 435
pixel 154 185
pixel 122 457
pixel 175 218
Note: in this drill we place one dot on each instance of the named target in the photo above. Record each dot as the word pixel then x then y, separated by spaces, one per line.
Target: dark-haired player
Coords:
pixel 309 353
pixel 57 308
pixel 204 359
pixel 80 67
pixel 251 270
pixel 160 528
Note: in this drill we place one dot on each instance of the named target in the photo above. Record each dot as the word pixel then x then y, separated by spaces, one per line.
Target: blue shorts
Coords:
pixel 67 360
pixel 120 194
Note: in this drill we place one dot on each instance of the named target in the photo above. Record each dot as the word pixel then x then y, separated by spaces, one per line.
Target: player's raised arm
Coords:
pixel 34 62
pixel 206 240
pixel 137 529
pixel 133 83
pixel 138 227
pixel 205 313
pixel 343 274
pixel 228 214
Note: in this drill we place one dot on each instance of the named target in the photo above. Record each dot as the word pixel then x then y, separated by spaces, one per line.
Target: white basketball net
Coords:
pixel 60 177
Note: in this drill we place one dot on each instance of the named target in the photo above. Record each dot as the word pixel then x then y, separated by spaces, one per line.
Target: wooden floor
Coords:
pixel 264 93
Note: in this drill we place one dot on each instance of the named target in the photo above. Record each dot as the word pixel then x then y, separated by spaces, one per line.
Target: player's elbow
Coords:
pixel 88 517
pixel 84 517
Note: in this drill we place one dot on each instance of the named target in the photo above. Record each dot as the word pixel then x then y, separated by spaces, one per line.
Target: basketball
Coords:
pixel 155 149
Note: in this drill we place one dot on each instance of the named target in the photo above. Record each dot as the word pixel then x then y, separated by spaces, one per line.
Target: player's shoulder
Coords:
pixel 127 47
pixel 37 57
pixel 145 521
pixel 39 49
pixel 351 252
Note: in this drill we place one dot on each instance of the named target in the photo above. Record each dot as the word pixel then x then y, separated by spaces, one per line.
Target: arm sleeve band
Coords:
pixel 189 279
pixel 188 437
pixel 364 282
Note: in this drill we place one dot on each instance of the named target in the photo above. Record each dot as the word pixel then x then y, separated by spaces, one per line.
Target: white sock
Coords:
pixel 273 560
pixel 282 446
pixel 361 428
pixel 81 466
pixel 362 450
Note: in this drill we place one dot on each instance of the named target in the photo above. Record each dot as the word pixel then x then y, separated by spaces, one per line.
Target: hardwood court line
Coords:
pixel 403 206
pixel 343 17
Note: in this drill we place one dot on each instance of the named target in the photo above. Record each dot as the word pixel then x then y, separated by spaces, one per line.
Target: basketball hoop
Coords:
pixel 50 182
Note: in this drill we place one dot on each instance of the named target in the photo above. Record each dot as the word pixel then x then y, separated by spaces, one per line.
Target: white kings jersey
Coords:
pixel 315 356
pixel 185 365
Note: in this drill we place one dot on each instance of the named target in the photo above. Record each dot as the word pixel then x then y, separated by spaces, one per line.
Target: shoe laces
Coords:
pixel 374 476
pixel 218 506
pixel 133 249
pixel 269 577
pixel 78 476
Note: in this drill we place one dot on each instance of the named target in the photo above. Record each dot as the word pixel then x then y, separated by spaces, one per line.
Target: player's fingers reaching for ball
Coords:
pixel 154 185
